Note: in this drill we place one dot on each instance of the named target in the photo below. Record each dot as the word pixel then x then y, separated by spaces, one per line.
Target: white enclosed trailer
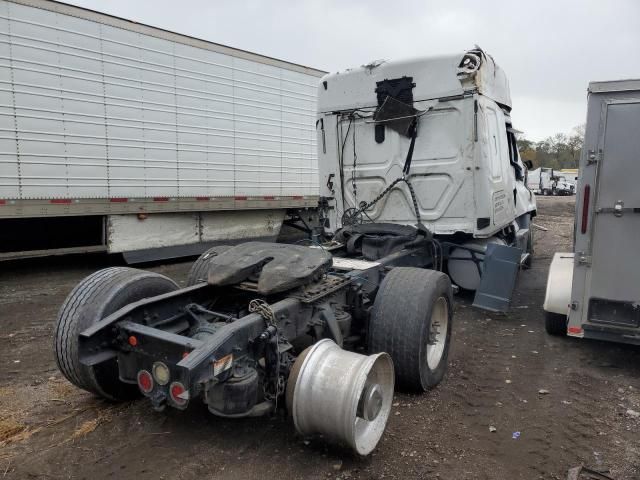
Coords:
pixel 594 291
pixel 426 141
pixel 121 137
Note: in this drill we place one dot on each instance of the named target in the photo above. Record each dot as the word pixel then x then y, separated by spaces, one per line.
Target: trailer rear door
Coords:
pixel 612 283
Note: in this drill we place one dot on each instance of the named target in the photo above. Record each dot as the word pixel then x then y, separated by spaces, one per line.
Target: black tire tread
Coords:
pixel 398 318
pixel 94 290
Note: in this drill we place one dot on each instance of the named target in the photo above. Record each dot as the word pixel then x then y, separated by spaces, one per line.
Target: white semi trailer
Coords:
pixel 120 137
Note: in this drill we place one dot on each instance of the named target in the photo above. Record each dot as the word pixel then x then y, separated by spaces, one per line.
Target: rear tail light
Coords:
pixel 585 209
pixel 161 373
pixel 145 381
pixel 179 395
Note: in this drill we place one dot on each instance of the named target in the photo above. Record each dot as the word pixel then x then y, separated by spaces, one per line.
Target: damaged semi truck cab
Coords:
pixel 441 128
pixel 420 176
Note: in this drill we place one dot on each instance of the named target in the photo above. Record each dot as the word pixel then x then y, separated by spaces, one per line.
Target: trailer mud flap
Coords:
pixel 501 264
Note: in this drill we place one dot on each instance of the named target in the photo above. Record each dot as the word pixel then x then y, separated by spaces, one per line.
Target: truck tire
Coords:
pixel 555 323
pixel 200 268
pixel 530 250
pixel 408 304
pixel 93 299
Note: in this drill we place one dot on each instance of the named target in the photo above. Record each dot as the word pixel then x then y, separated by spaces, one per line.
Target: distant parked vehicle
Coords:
pixel 541 181
pixel 563 186
pixel 593 291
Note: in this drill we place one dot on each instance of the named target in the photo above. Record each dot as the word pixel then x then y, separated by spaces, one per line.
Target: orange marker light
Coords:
pixel 133 341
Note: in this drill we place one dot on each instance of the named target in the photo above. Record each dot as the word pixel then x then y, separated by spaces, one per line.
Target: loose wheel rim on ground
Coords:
pixel 437 338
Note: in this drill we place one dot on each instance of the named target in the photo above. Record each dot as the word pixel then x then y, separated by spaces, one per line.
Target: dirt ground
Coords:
pixel 498 366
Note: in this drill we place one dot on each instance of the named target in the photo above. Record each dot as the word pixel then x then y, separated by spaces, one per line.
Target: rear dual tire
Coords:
pixel 411 320
pixel 93 299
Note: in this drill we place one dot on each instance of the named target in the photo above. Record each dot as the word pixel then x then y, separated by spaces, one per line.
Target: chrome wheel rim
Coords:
pixel 437 333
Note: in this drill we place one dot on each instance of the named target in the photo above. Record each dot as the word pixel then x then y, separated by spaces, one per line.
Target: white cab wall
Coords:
pixel 88 110
pixel 456 178
pixel 438 170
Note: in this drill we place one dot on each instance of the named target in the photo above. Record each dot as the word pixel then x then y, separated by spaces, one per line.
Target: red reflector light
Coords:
pixel 574 330
pixel 178 393
pixel 145 381
pixel 585 209
pixel 133 341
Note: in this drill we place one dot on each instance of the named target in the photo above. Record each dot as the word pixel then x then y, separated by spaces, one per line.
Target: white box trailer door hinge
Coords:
pixel 594 157
pixel 583 259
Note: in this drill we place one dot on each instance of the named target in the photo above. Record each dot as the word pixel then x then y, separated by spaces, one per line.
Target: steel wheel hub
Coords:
pixel 437 333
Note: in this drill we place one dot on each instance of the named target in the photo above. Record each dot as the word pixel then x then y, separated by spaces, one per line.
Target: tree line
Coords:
pixel 558 151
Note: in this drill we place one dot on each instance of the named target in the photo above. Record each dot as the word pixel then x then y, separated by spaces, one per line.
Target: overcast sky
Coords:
pixel 550 49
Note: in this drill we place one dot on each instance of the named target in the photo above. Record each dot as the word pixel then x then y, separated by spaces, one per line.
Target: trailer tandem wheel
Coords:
pixel 411 321
pixel 94 298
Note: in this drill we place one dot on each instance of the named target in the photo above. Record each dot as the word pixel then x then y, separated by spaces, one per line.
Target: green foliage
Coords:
pixel 557 152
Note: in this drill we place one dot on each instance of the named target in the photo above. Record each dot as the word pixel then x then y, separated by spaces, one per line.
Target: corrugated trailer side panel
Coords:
pixel 89 110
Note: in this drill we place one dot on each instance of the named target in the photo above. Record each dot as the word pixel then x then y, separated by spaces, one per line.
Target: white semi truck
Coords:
pixel 594 291
pixel 542 181
pixel 120 137
pixel 420 177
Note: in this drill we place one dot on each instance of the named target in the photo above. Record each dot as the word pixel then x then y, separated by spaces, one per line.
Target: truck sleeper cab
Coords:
pixel 440 128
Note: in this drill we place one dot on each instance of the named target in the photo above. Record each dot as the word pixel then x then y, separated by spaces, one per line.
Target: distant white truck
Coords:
pixel 541 181
pixel 593 292
pixel 563 186
pixel 120 137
